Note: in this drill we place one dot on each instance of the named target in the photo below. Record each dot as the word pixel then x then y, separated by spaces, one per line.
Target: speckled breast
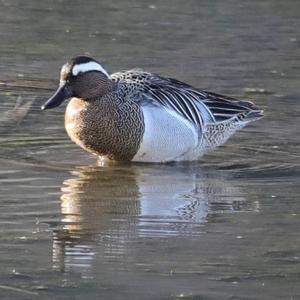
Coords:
pixel 74 120
pixel 105 128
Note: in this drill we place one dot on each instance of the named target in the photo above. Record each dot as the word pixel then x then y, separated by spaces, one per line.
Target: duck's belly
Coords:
pixel 167 137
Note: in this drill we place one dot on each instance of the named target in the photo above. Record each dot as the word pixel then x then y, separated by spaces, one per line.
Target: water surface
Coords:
pixel 224 228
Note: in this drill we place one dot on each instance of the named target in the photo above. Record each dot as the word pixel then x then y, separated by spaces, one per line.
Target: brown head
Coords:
pixel 82 77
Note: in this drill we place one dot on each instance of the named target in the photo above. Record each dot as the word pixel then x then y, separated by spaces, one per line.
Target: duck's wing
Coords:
pixel 224 108
pixel 197 106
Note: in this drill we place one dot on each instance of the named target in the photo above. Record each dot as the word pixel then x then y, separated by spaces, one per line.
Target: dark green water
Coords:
pixel 224 228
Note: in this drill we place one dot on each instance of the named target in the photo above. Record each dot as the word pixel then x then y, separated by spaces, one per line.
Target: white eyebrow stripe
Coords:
pixel 90 66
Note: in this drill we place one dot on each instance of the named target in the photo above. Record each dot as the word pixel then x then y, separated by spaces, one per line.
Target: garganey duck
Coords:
pixel 140 116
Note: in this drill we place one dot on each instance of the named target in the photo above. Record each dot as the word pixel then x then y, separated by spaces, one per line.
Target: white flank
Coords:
pixel 167 136
pixel 90 66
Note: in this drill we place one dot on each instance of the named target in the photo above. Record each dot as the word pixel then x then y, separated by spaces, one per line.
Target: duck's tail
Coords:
pixel 253 115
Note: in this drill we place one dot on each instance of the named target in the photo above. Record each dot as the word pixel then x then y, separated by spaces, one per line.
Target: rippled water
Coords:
pixel 224 228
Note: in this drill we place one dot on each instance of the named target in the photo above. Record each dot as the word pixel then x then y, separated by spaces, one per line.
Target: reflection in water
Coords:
pixel 105 208
pixel 94 206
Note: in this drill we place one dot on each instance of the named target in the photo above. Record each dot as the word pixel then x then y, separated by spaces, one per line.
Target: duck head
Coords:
pixel 82 77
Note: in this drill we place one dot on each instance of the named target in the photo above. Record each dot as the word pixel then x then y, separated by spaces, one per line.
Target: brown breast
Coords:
pixel 105 127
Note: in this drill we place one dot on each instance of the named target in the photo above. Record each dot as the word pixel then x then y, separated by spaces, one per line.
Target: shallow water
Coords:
pixel 224 228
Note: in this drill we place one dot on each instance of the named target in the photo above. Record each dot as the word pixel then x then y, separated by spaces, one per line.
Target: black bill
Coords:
pixel 62 94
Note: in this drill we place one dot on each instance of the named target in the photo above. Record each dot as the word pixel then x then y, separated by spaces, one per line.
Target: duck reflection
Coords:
pixel 106 209
pixel 96 205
